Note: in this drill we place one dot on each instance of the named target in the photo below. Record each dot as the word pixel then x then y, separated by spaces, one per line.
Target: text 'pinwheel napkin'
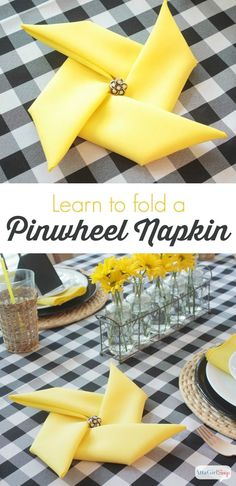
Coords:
pixel 220 356
pixel 116 92
pixel 94 427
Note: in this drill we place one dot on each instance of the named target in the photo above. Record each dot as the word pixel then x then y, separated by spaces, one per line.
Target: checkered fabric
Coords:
pixel 11 7
pixel 208 97
pixel 69 357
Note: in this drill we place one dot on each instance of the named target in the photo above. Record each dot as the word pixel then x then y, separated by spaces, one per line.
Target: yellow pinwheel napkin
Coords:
pixel 140 124
pixel 220 356
pixel 94 427
pixel 63 297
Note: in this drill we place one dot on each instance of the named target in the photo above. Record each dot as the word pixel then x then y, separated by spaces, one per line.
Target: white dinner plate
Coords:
pixel 223 384
pixel 69 278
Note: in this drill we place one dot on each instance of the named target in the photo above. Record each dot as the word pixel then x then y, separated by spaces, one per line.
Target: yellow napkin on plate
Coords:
pixel 66 434
pixel 220 355
pixel 61 298
pixel 78 100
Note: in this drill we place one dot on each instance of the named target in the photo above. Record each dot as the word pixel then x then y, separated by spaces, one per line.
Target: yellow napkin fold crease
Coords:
pixel 220 356
pixel 78 101
pixel 61 298
pixel 66 433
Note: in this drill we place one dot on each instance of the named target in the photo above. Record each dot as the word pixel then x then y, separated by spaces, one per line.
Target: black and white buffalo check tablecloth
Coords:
pixel 69 357
pixel 208 97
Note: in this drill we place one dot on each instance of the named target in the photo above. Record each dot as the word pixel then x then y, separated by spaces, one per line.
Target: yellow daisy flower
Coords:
pixel 170 262
pixel 109 275
pixel 186 261
pixel 150 264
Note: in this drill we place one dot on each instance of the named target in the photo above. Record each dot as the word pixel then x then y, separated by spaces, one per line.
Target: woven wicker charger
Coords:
pixel 65 318
pixel 199 405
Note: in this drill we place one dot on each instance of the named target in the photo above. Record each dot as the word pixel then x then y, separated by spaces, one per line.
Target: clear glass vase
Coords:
pixel 195 289
pixel 178 311
pixel 119 328
pixel 160 300
pixel 158 290
pixel 140 302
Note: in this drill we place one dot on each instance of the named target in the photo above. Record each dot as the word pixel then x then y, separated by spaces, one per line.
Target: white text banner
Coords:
pixel 117 218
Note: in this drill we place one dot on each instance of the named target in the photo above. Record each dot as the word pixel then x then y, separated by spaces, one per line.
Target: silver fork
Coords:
pixel 217 444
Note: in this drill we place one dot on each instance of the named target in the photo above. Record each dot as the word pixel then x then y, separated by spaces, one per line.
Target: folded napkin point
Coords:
pixel 140 438
pixel 113 409
pixel 59 432
pixel 219 356
pixel 67 402
pixel 215 133
pixel 218 133
pixel 12 397
pixel 224 135
pixel 164 432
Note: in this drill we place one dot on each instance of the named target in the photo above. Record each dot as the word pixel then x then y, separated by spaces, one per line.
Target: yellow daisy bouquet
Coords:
pixel 164 295
pixel 114 272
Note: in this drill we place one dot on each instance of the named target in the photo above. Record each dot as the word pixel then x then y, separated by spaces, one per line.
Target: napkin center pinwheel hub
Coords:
pixel 94 421
pixel 118 87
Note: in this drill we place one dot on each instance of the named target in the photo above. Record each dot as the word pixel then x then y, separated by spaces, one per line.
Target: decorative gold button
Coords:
pixel 94 421
pixel 118 87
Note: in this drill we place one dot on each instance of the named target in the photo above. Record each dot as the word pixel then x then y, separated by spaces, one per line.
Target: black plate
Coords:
pixel 209 394
pixel 49 311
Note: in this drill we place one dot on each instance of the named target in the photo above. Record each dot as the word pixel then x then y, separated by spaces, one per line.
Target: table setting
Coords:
pixel 66 406
pixel 62 295
pixel 173 72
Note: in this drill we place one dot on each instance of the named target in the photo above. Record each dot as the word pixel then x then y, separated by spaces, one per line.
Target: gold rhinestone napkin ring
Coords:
pixel 118 87
pixel 94 421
